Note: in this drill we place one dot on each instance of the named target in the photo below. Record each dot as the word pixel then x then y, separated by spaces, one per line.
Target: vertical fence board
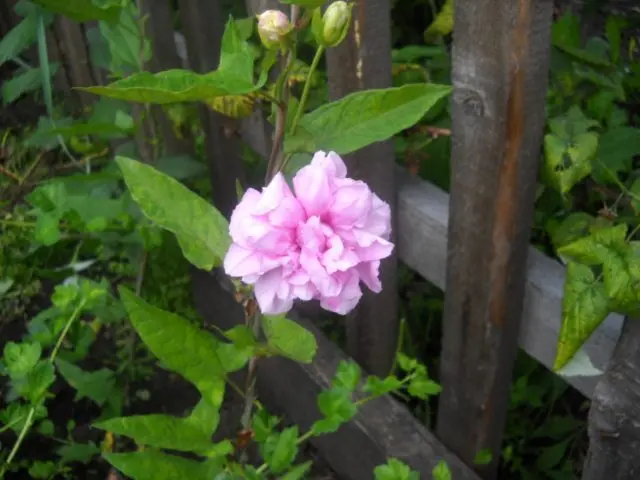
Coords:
pixel 73 46
pixel 500 80
pixel 363 61
pixel 203 24
pixel 614 417
pixel 158 27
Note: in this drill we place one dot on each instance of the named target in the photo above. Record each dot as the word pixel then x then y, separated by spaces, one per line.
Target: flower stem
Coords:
pixel 32 411
pixel 253 322
pixel 306 89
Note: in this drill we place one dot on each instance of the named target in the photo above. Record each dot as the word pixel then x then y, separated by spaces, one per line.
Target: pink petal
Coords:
pixel 379 221
pixel 266 290
pixel 369 273
pixel 331 162
pixel 240 261
pixel 347 299
pixel 313 190
pixel 371 247
pixel 351 204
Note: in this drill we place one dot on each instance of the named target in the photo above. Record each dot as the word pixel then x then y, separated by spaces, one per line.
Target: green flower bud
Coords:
pixel 335 24
pixel 273 28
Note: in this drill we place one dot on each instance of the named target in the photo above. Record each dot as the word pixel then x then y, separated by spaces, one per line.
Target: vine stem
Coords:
pixel 303 99
pixel 306 89
pixel 36 404
pixel 253 322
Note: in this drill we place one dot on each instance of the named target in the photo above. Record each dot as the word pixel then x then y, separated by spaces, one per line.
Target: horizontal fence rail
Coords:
pixel 423 213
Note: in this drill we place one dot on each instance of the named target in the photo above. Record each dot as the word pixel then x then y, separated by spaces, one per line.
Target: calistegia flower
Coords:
pixel 318 241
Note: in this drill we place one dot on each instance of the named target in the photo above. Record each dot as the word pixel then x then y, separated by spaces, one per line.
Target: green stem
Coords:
pixel 306 89
pixel 36 404
pixel 398 345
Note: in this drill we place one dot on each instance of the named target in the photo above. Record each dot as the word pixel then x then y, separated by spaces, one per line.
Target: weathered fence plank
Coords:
pixel 363 61
pixel 500 78
pixel 73 46
pixel 614 417
pixel 203 24
pixel 384 428
pixel 158 27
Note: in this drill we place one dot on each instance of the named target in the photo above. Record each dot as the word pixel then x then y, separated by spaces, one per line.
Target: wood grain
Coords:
pixel 363 61
pixel 500 82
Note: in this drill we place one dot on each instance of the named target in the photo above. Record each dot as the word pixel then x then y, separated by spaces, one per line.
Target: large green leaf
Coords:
pixel 289 338
pixel 84 10
pixel 161 431
pixel 234 76
pixel 363 118
pixel 201 230
pixel 568 162
pixel 584 307
pixel 96 385
pixel 180 346
pixel 24 82
pixel 154 465
pixel 18 38
pixel 617 147
pixel 620 263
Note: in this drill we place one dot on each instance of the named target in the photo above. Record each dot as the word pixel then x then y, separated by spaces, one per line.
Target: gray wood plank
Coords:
pixel 614 417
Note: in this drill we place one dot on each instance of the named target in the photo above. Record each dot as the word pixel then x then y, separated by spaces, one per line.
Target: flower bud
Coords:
pixel 273 27
pixel 335 23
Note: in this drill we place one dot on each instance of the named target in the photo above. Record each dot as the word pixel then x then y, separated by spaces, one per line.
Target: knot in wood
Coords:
pixel 470 101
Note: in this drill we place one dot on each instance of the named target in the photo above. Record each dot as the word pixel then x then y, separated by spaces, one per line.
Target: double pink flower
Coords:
pixel 318 243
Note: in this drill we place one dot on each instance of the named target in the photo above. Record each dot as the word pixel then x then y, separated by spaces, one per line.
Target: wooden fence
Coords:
pixel 474 243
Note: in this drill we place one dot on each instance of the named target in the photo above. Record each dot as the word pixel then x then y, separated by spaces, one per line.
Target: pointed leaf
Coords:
pixel 96 385
pixel 84 10
pixel 161 431
pixel 234 76
pixel 201 230
pixel 363 118
pixel 289 338
pixel 170 338
pixel 18 38
pixel 584 307
pixel 153 465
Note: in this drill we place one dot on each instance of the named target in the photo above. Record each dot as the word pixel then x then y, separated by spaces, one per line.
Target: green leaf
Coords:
pixel 84 10
pixel 78 452
pixel 24 82
pixel 205 416
pixel 234 76
pixel 21 358
pixel 47 231
pixel 568 162
pixel 18 39
pixel 201 230
pixel 289 338
pixel 298 472
pixel 347 375
pixel 441 471
pixel 337 407
pixel 42 470
pixel 617 147
pixel 280 449
pixel 423 388
pixel 161 431
pixel 96 385
pixel 37 381
pixel 169 336
pixel 620 261
pixel 394 470
pixel 366 117
pixel 153 465
pixel 584 307
pixel 483 457
pixel 378 386
pixel 576 225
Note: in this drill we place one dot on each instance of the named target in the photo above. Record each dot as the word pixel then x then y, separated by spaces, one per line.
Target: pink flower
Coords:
pixel 317 243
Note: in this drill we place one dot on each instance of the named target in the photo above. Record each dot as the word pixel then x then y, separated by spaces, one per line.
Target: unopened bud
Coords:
pixel 273 27
pixel 335 23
